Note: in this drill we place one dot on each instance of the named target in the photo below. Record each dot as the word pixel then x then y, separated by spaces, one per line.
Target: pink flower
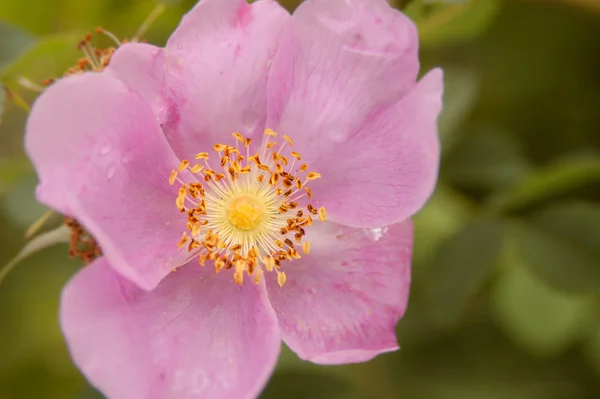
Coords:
pixel 339 80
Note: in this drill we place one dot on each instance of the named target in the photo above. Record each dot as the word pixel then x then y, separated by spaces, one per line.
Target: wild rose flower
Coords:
pixel 225 152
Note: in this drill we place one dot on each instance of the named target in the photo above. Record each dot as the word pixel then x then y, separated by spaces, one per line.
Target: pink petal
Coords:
pixel 141 67
pixel 341 303
pixel 342 86
pixel 102 159
pixel 386 172
pixel 197 335
pixel 219 58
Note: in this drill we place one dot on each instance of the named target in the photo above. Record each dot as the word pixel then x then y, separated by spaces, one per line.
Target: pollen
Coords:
pixel 246 207
pixel 245 213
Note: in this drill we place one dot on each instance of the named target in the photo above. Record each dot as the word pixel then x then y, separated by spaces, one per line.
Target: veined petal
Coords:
pixel 197 335
pixel 102 159
pixel 337 62
pixel 342 86
pixel 218 61
pixel 340 304
pixel 388 169
pixel 141 67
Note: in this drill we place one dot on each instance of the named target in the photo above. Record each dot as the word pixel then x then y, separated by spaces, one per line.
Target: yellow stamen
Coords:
pixel 288 139
pixel 173 177
pixel 306 247
pixel 183 240
pixel 238 137
pixel 180 202
pixel 183 165
pixel 313 176
pixel 196 168
pixel 250 218
pixel 322 214
pixel 281 278
pixel 245 213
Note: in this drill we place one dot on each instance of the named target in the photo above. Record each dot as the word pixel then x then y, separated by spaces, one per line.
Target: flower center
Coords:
pixel 245 213
pixel 251 215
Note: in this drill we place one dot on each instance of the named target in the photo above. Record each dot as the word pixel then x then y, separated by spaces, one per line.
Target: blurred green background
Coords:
pixel 505 301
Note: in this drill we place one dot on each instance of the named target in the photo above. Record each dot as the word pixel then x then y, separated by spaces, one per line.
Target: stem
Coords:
pixel 38 224
pixel 28 84
pixel 17 99
pixel 158 10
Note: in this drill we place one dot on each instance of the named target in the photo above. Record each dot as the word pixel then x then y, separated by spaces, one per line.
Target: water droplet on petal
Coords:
pixel 110 172
pixel 376 234
pixel 127 157
pixel 338 136
pixel 104 149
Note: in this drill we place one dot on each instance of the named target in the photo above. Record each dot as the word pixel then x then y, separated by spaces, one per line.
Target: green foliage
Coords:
pixel 48 57
pixel 592 348
pixel 485 159
pixel 562 177
pixel 460 267
pixel 45 240
pixel 445 213
pixel 11 171
pixel 539 318
pixel 2 101
pixel 560 244
pixel 303 384
pixel 460 91
pixel 451 21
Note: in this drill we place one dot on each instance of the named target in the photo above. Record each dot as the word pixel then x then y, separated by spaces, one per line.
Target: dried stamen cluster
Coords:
pixel 251 213
pixel 94 59
pixel 81 244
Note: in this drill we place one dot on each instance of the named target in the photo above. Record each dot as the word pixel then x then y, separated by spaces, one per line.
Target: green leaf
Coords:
pixel 539 318
pixel 443 215
pixel 59 235
pixel 477 361
pixel 560 245
pixel 49 57
pixel 591 5
pixel 592 347
pixel 31 335
pixel 441 23
pixel 43 17
pixel 303 384
pixel 13 42
pixel 486 159
pixel 89 393
pixel 2 101
pixel 461 266
pixel 542 184
pixel 11 170
pixel 20 205
pixel 575 221
pixel 460 92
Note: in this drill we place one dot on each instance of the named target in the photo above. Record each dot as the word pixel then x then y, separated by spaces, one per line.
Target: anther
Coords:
pixel 241 220
pixel 313 176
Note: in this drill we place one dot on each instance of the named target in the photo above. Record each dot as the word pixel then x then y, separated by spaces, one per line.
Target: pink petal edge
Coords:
pixel 218 60
pixel 343 86
pixel 341 304
pixel 102 159
pixel 197 335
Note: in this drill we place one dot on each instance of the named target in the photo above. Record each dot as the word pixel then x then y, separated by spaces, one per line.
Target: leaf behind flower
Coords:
pixel 45 240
